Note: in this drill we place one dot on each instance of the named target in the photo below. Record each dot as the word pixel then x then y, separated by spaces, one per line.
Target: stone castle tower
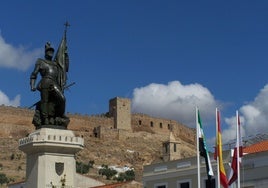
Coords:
pixel 120 109
pixel 171 149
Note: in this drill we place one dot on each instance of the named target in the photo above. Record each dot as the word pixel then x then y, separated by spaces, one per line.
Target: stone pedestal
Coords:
pixel 51 157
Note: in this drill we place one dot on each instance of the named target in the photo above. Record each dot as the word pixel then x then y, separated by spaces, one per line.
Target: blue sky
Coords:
pixel 166 56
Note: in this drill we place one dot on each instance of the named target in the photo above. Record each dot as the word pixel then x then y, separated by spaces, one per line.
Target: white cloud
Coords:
pixel 174 101
pixel 6 101
pixel 19 58
pixel 253 116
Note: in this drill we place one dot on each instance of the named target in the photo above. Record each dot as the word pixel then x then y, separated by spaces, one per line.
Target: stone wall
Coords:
pixel 143 122
pixel 120 109
pixel 87 124
pixel 110 133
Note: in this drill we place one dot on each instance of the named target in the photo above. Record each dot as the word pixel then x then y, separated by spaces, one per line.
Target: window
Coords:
pixel 160 168
pixel 166 147
pixel 139 122
pixel 161 125
pixel 152 124
pixel 184 184
pixel 184 164
pixel 175 147
pixel 161 185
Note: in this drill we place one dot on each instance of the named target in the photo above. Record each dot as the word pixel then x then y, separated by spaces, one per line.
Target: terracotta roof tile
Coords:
pixel 258 147
pixel 114 185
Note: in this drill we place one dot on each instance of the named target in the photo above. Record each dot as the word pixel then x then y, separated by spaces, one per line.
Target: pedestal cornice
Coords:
pixel 51 140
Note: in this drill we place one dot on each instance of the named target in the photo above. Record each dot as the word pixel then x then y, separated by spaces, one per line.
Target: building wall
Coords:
pixel 253 171
pixel 81 181
pixel 173 172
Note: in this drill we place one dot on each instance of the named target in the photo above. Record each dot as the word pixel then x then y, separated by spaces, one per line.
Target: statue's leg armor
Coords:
pixel 51 112
pixel 44 106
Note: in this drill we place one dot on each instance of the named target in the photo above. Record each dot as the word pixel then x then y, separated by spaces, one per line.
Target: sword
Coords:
pixel 65 87
pixel 68 86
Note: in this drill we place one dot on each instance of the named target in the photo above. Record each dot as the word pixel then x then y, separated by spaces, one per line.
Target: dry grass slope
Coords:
pixel 136 150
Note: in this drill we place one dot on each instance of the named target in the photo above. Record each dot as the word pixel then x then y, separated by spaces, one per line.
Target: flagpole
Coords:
pixel 217 151
pixel 238 148
pixel 197 148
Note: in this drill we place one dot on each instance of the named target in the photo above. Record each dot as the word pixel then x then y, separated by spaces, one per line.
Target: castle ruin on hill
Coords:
pixel 117 123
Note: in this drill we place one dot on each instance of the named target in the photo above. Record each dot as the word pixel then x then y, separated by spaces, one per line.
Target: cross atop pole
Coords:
pixel 66 24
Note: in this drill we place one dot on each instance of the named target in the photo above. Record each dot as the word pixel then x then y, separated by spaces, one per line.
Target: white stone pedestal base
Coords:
pixel 51 158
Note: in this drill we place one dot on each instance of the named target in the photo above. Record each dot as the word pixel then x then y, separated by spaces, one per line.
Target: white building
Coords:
pixel 182 173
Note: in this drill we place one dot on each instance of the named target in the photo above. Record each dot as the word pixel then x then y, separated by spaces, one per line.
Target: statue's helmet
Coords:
pixel 48 47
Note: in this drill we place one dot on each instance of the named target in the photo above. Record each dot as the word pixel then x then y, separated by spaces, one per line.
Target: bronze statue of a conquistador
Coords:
pixel 51 108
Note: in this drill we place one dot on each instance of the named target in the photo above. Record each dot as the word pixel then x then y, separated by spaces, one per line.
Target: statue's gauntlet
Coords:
pixel 32 84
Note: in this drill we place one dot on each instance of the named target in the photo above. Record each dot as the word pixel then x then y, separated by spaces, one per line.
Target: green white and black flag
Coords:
pixel 203 147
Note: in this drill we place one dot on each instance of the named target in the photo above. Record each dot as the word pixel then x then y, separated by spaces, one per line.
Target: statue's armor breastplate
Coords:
pixel 49 73
pixel 49 70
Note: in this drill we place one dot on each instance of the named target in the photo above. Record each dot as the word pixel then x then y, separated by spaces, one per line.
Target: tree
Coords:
pixel 108 172
pixel 3 179
pixel 130 175
pixel 126 176
pixel 91 163
pixel 82 168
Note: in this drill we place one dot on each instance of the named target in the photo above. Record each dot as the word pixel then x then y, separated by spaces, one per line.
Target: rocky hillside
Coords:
pixel 135 150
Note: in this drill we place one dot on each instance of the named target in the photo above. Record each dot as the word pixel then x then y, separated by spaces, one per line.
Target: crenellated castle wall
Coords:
pixel 143 122
pixel 111 125
pixel 88 123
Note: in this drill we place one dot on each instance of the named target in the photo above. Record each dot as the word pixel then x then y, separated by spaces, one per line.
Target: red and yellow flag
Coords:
pixel 218 153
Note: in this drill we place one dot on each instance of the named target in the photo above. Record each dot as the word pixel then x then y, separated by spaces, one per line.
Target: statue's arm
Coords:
pixel 34 75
